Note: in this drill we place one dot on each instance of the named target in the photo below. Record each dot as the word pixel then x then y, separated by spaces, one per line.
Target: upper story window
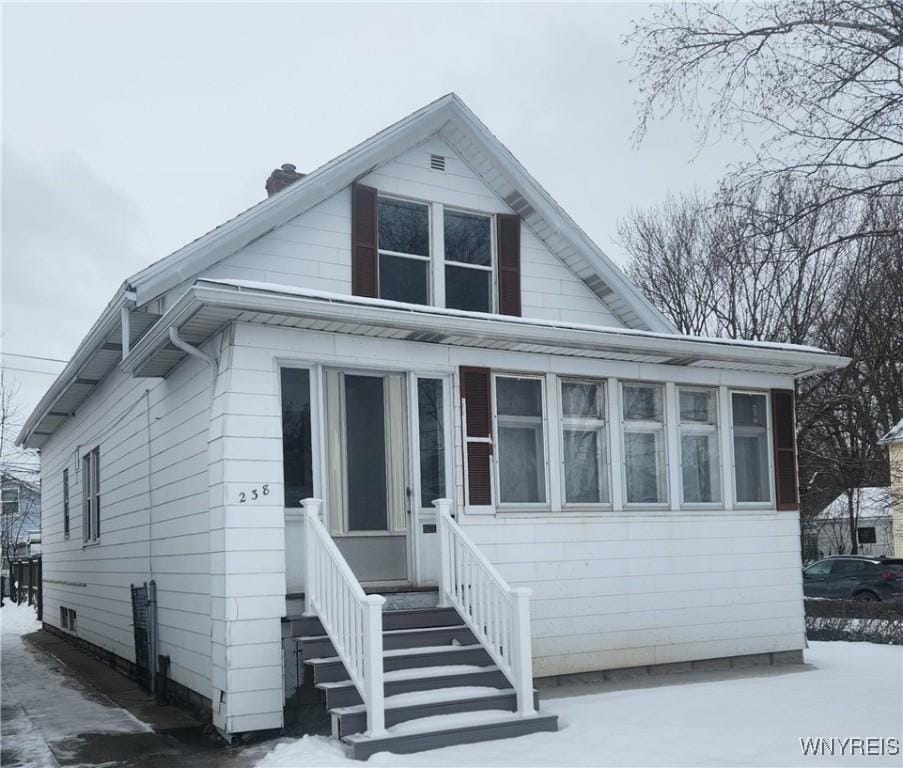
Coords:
pixel 645 472
pixel 699 465
pixel 468 261
pixel 91 496
pixel 750 426
pixel 404 250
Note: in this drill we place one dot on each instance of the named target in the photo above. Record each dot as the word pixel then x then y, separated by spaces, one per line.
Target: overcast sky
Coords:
pixel 129 130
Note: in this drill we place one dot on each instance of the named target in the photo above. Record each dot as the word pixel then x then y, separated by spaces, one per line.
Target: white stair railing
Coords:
pixel 497 614
pixel 352 619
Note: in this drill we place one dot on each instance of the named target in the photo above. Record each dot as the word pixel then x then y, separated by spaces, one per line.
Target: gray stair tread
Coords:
pixel 432 696
pixel 403 652
pixel 437 723
pixel 453 670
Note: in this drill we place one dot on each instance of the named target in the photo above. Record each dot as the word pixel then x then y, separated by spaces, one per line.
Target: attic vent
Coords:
pixel 437 162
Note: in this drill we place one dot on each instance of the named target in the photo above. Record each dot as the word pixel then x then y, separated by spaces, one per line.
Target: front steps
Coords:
pixel 441 685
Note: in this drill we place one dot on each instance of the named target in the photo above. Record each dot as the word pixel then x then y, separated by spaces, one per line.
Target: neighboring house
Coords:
pixel 894 442
pixel 20 520
pixel 416 319
pixel 830 531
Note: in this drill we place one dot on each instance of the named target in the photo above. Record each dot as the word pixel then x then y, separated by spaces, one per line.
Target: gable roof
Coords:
pixel 894 436
pixel 480 149
pixel 868 502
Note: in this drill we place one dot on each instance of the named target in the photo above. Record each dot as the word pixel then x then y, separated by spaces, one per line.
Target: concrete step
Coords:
pixel 344 694
pixel 320 646
pixel 332 669
pixel 411 706
pixel 449 730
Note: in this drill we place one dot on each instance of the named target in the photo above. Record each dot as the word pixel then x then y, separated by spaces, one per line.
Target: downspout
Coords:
pixel 188 349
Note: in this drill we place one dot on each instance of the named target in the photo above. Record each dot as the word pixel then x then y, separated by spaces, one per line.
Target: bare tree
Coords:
pixel 715 266
pixel 813 87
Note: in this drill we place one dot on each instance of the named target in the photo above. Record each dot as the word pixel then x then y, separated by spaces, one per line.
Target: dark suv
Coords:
pixel 855 577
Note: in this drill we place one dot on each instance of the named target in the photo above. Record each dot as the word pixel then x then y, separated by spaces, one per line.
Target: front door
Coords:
pixel 369 497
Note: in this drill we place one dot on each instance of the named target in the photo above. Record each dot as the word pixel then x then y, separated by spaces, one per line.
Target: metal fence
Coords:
pixel 24 583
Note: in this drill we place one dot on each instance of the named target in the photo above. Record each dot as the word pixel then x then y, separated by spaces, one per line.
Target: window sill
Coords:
pixel 89 544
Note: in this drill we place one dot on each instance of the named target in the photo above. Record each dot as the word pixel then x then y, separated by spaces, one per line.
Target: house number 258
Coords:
pixel 253 494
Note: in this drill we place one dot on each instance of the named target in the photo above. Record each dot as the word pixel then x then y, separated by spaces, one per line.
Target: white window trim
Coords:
pixel 695 428
pixel 90 470
pixel 646 426
pixel 601 426
pixel 516 506
pixel 769 481
pixel 493 256
pixel 430 280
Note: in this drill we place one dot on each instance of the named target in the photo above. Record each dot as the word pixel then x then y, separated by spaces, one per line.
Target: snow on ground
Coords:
pixel 42 702
pixel 744 719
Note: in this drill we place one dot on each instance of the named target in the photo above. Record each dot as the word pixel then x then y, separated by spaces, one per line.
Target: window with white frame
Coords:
pixel 468 261
pixel 520 450
pixel 91 495
pixel 699 452
pixel 584 443
pixel 643 424
pixel 750 427
pixel 404 250
pixel 66 503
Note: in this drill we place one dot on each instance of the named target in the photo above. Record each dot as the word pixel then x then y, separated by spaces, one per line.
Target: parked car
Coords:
pixel 855 577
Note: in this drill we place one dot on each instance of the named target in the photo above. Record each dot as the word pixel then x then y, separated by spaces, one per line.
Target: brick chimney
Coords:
pixel 281 178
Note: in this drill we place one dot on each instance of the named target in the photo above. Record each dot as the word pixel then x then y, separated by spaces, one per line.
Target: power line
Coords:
pixel 30 370
pixel 34 357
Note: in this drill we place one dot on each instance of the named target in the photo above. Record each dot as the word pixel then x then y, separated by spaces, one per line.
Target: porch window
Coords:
pixel 297 457
pixel 468 261
pixel 750 425
pixel 91 496
pixel 404 250
pixel 520 454
pixel 699 465
pixel 430 416
pixel 644 444
pixel 583 443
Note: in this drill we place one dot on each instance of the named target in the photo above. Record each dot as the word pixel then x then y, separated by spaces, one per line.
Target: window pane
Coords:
pixel 749 410
pixel 585 475
pixel 468 289
pixel 467 238
pixel 404 227
pixel 642 402
pixel 699 463
pixel 644 461
pixel 521 464
pixel 402 279
pixel 365 453
pixel 432 441
pixel 867 535
pixel 697 406
pixel 519 397
pixel 297 460
pixel 585 400
pixel 751 465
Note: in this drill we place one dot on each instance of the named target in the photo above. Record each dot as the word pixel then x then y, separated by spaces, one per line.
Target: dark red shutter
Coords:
pixel 508 236
pixel 476 392
pixel 364 258
pixel 783 427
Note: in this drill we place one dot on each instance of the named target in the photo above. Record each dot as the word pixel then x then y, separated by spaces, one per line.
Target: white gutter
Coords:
pixel 447 323
pixel 194 352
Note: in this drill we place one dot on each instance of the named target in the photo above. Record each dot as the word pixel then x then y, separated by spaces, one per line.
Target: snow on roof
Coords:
pixel 894 436
pixel 867 502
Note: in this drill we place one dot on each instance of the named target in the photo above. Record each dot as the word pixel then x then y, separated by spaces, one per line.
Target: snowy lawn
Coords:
pixel 845 690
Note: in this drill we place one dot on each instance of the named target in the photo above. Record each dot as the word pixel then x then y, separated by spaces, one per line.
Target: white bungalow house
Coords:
pixel 830 532
pixel 416 320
